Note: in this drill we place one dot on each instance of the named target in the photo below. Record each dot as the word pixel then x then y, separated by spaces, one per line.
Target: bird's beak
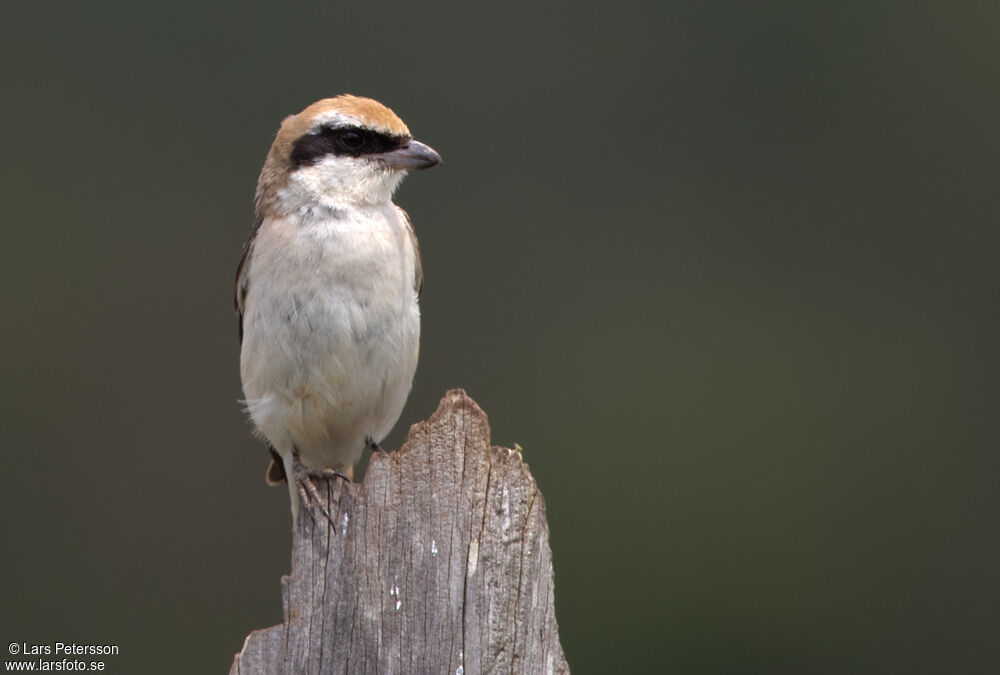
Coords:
pixel 413 155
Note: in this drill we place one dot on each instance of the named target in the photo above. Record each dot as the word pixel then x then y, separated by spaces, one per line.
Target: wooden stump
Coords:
pixel 439 563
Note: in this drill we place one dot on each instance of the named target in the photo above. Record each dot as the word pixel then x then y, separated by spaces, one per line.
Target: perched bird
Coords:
pixel 327 290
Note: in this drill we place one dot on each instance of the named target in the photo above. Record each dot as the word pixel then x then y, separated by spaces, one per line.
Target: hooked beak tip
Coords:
pixel 412 156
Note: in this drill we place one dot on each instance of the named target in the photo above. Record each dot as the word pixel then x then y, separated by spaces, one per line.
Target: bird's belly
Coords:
pixel 326 365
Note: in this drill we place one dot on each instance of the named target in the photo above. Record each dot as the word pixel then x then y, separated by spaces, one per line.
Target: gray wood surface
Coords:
pixel 439 563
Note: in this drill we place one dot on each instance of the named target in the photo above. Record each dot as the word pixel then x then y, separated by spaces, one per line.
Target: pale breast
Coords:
pixel 330 302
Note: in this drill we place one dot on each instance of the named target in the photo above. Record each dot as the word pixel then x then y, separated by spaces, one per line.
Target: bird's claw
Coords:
pixel 307 489
pixel 374 446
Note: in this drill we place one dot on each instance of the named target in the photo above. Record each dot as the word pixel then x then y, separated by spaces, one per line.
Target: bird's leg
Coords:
pixel 375 447
pixel 307 489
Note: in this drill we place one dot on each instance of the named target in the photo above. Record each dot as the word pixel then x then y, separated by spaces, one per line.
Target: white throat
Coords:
pixel 336 182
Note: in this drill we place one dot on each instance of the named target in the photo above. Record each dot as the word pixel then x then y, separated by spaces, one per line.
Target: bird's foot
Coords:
pixel 374 446
pixel 307 489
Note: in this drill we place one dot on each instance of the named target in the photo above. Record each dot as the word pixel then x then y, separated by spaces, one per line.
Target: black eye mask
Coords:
pixel 341 141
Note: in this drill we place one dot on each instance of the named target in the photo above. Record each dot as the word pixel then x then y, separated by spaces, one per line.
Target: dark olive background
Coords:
pixel 726 270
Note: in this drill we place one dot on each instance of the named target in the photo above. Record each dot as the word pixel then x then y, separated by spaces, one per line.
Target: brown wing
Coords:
pixel 418 268
pixel 242 279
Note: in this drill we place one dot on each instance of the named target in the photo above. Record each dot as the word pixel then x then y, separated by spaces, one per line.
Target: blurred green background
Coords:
pixel 726 270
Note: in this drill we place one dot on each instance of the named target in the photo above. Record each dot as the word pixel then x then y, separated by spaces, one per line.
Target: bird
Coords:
pixel 327 291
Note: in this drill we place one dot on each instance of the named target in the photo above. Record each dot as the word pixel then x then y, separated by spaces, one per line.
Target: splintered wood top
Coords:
pixel 439 563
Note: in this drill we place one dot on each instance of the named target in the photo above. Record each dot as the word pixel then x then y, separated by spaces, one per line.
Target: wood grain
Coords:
pixel 439 563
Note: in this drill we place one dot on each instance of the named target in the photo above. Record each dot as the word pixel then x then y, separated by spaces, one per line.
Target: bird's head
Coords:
pixel 339 152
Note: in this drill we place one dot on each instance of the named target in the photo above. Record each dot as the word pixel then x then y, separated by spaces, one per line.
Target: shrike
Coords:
pixel 327 290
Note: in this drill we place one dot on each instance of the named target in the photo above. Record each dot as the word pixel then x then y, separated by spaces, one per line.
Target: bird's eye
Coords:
pixel 352 140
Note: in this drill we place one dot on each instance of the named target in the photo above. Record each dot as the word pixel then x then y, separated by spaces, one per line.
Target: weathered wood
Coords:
pixel 439 563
